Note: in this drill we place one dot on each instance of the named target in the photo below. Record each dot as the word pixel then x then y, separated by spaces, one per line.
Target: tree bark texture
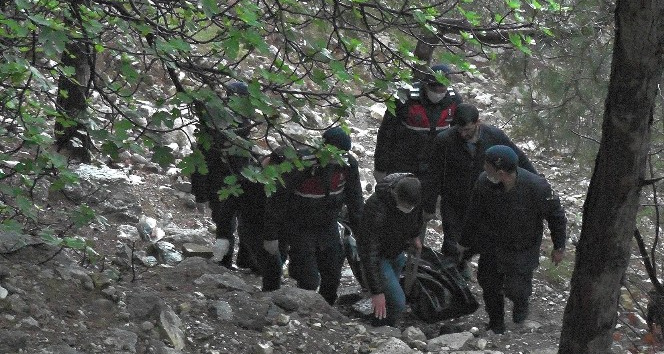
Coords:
pixel 73 105
pixel 609 213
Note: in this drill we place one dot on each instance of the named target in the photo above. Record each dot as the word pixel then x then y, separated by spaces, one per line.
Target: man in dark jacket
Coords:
pixel 504 223
pixel 391 222
pixel 404 137
pixel 223 143
pixel 456 160
pixel 305 211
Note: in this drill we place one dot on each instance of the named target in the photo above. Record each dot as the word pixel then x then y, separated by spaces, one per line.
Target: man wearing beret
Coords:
pixel 504 224
pixel 456 160
pixel 304 212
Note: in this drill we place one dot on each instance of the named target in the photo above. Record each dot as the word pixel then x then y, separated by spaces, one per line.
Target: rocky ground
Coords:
pixel 168 297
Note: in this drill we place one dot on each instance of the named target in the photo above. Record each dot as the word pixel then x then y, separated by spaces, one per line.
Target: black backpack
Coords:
pixel 439 292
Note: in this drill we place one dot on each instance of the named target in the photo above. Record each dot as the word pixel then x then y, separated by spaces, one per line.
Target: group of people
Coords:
pixel 491 200
pixel 298 222
pixel 433 153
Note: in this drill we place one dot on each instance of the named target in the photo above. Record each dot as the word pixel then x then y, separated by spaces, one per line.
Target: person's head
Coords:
pixel 407 193
pixel 500 161
pixel 466 120
pixel 434 89
pixel 237 88
pixel 337 137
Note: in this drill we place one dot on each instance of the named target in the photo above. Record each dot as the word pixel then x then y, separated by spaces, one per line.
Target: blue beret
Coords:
pixel 441 67
pixel 238 88
pixel 502 157
pixel 337 137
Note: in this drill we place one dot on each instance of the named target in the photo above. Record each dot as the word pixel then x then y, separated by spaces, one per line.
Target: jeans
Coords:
pixel 395 298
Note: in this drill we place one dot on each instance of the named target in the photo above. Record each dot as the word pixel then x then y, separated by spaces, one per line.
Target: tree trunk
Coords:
pixel 73 137
pixel 609 213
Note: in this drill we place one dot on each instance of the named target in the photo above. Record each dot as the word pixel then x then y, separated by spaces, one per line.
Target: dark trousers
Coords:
pixel 270 269
pixel 451 235
pixel 246 213
pixel 516 285
pixel 316 259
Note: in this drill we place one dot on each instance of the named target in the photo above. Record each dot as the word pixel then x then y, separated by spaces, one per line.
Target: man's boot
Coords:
pixel 495 308
pixel 520 311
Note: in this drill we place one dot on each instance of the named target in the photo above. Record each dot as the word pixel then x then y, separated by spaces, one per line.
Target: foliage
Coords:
pixel 159 68
pixel 563 85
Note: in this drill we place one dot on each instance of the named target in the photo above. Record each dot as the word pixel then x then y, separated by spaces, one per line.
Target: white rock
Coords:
pixel 393 346
pixel 451 341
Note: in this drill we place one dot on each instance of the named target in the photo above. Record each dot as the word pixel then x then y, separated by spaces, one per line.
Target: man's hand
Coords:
pixel 378 304
pixel 379 175
pixel 417 242
pixel 220 248
pixel 460 251
pixel 557 256
pixel 428 216
pixel 272 247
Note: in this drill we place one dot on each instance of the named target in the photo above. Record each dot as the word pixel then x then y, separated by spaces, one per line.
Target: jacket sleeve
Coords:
pixel 368 247
pixel 353 194
pixel 524 162
pixel 432 177
pixel 385 141
pixel 503 139
pixel 555 216
pixel 471 231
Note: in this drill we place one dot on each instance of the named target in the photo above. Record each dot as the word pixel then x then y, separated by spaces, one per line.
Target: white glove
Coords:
pixel 272 247
pixel 220 249
pixel 379 175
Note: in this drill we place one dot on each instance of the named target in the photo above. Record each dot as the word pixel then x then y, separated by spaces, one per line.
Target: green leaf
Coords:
pixel 180 45
pixel 210 7
pixel 192 162
pixel 163 118
pixel 554 5
pixel 340 70
pixel 232 188
pixel 83 216
pixel 249 13
pixel 52 41
pixel 26 207
pixel 513 4
pixel 50 239
pixel 472 16
pixel 547 31
pixel 231 44
pixel 122 128
pixel 163 155
pixel 76 243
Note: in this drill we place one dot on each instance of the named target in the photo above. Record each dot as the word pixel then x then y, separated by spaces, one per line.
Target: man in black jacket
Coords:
pixel 456 160
pixel 504 224
pixel 223 141
pixel 404 137
pixel 304 215
pixel 391 222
